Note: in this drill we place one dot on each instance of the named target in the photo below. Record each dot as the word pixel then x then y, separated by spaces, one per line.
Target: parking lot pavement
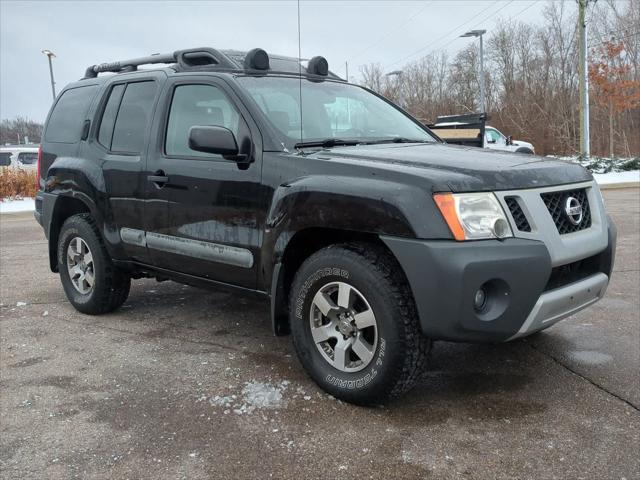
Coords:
pixel 187 383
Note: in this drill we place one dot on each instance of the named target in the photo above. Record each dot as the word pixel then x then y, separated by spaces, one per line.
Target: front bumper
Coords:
pixel 523 292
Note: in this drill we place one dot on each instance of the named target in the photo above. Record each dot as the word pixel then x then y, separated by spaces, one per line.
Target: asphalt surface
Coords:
pixel 187 383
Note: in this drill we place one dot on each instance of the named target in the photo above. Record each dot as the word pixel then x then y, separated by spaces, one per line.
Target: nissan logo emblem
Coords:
pixel 573 210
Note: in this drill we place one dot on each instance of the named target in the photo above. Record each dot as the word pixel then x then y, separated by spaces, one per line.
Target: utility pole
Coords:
pixel 479 33
pixel 346 71
pixel 49 55
pixel 483 105
pixel 584 80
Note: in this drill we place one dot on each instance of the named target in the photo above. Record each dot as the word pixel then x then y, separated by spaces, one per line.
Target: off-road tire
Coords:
pixel 401 349
pixel 111 285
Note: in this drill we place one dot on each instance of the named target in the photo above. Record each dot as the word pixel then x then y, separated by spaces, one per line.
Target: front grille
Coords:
pixel 518 215
pixel 573 272
pixel 555 202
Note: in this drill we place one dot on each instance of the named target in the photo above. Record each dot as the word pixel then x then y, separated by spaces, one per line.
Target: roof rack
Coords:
pixel 193 57
pixel 255 61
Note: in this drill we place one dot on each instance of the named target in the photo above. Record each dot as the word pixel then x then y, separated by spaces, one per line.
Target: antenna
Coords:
pixel 300 72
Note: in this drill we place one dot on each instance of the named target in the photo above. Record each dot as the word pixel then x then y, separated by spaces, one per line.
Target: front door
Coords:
pixel 212 225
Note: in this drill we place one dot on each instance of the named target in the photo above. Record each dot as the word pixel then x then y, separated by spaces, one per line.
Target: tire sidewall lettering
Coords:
pixel 360 382
pixel 342 380
pixel 317 275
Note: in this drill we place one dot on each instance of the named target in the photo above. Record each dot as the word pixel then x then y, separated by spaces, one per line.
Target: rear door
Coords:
pixel 120 142
pixel 212 224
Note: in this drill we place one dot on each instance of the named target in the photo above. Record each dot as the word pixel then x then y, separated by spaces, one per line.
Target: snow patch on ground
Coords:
pixel 19 205
pixel 255 395
pixel 590 357
pixel 607 171
pixel 617 177
pixel 264 395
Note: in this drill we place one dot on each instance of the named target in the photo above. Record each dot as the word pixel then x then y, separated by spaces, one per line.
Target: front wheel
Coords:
pixel 92 283
pixel 354 324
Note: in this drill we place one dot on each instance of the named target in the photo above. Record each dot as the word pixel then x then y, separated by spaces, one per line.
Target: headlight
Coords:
pixel 473 216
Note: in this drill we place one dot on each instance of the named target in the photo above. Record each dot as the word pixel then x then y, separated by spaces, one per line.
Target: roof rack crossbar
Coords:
pixel 185 58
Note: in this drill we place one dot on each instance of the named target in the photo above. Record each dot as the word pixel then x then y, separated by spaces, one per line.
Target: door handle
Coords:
pixel 159 178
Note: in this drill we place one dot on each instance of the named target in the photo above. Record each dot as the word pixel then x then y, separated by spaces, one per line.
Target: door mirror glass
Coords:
pixel 213 139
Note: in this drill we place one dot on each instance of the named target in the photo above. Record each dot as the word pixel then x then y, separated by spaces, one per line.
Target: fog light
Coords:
pixel 501 228
pixel 479 299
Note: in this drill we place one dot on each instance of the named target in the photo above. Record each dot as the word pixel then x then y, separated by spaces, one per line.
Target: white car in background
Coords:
pixel 494 139
pixel 24 157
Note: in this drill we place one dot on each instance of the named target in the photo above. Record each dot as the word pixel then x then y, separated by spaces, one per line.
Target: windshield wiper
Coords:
pixel 327 143
pixel 396 140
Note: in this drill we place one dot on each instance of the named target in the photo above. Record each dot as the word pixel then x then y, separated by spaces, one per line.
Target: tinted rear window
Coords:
pixel 133 117
pixel 5 159
pixel 69 113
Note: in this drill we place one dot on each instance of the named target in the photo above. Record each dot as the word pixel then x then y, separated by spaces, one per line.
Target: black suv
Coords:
pixel 265 174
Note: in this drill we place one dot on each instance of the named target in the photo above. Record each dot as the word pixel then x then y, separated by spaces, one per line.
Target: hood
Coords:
pixel 522 143
pixel 454 168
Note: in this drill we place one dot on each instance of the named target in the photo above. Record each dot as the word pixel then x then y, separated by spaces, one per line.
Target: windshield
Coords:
pixel 330 110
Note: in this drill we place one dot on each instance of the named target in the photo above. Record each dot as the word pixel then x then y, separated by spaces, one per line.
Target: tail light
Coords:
pixel 38 169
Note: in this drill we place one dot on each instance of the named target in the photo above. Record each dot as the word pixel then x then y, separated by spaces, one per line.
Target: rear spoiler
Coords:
pixel 461 129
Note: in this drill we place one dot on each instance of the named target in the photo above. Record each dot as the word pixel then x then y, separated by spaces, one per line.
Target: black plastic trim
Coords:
pixel 444 276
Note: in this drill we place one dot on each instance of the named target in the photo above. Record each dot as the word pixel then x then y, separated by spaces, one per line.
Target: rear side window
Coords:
pixel 133 118
pixel 109 116
pixel 28 158
pixel 5 159
pixel 66 120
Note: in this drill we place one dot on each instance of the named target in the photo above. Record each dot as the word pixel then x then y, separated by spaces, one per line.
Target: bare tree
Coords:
pixel 18 130
pixel 530 77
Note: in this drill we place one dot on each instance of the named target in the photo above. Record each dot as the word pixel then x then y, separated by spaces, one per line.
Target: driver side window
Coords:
pixel 201 105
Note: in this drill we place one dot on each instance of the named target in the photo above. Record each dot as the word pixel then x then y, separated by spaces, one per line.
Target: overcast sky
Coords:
pixel 82 33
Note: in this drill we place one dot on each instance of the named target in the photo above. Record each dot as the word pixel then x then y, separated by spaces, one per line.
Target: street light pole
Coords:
pixel 479 33
pixel 49 55
pixel 398 75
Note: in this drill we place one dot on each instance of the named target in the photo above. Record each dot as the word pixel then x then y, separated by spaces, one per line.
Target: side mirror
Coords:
pixel 210 139
pixel 509 140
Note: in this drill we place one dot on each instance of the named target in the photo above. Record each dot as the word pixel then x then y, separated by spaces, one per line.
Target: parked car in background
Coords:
pixel 19 156
pixel 471 130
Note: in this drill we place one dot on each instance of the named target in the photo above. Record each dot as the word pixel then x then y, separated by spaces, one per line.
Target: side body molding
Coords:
pixel 209 251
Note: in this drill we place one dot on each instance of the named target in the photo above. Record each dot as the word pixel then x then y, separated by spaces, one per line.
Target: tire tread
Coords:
pixel 117 283
pixel 384 266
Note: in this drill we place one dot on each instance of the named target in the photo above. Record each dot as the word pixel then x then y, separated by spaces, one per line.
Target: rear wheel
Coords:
pixel 354 324
pixel 90 280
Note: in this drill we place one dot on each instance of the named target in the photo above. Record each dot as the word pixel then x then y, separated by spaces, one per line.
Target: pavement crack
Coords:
pixel 578 374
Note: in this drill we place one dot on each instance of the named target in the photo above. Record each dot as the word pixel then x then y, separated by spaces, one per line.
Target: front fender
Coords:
pixel 362 205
